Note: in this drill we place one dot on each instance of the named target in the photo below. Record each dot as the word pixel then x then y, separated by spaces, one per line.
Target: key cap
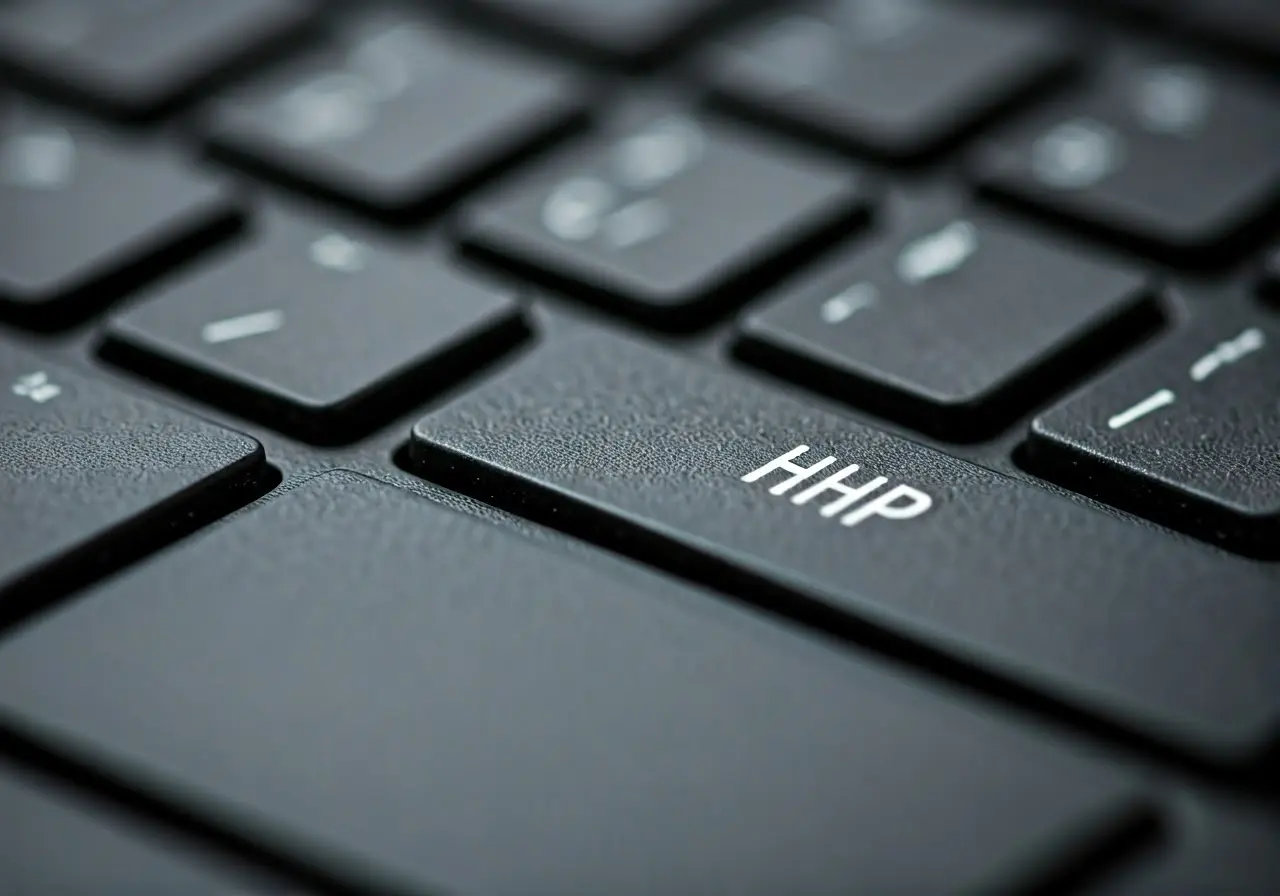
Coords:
pixel 316 332
pixel 420 694
pixel 901 78
pixel 1185 433
pixel 1166 156
pixel 397 116
pixel 56 847
pixel 91 475
pixel 137 58
pixel 1211 848
pixel 954 323
pixel 622 31
pixel 87 219
pixel 1247 24
pixel 725 481
pixel 670 219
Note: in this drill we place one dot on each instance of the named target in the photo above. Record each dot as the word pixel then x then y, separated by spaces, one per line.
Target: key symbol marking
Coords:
pixel 1077 154
pixel 938 254
pixel 37 387
pixel 39 160
pixel 340 253
pixel 840 308
pixel 1148 405
pixel 243 327
pixel 1227 353
pixel 1173 100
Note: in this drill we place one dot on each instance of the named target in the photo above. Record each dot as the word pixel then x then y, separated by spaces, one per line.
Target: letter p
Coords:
pixel 902 502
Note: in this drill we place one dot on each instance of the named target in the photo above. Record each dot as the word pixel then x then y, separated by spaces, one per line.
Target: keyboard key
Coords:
pixel 91 475
pixel 138 57
pixel 53 846
pixel 85 219
pixel 1171 158
pixel 625 31
pixel 365 677
pixel 710 475
pixel 1186 433
pixel 316 332
pixel 1212 848
pixel 1248 24
pixel 954 323
pixel 670 219
pixel 398 116
pixel 901 78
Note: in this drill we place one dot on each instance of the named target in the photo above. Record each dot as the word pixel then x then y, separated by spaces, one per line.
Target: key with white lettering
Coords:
pixel 317 332
pixel 1151 154
pixel 954 323
pixel 1187 433
pixel 715 477
pixel 667 216
pixel 901 78
pixel 91 477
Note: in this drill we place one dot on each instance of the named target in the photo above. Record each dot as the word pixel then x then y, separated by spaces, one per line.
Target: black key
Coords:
pixel 54 846
pixel 1211 848
pixel 138 57
pixel 397 116
pixel 901 78
pixel 670 219
pixel 624 31
pixel 953 323
pixel 83 219
pixel 91 475
pixel 315 332
pixel 1249 24
pixel 359 673
pixel 723 480
pixel 1169 157
pixel 1186 434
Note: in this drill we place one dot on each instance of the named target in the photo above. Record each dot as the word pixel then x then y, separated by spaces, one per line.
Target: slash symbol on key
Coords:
pixel 257 324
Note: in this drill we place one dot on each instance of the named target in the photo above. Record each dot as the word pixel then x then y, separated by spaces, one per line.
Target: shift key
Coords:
pixel 709 474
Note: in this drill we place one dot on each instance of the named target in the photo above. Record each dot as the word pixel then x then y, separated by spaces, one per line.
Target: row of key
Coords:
pixel 675 215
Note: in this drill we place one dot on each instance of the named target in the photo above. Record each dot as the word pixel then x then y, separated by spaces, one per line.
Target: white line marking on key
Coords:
pixel 1148 405
pixel 257 324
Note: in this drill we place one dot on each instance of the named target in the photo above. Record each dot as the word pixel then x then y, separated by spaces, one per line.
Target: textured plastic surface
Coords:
pixel 641 445
pixel 389 686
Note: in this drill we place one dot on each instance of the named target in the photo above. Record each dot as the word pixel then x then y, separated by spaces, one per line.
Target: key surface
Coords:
pixel 88 471
pixel 1210 848
pixel 55 844
pixel 365 677
pixel 648 452
pixel 85 219
pixel 315 331
pixel 953 322
pixel 1170 157
pixel 899 77
pixel 1186 433
pixel 397 115
pixel 626 31
pixel 665 216
pixel 136 57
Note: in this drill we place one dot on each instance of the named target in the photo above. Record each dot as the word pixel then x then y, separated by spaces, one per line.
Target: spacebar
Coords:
pixel 708 473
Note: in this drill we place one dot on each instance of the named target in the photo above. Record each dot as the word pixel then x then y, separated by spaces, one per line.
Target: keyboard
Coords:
pixel 559 447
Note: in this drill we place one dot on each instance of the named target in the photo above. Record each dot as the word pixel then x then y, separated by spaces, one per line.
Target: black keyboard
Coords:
pixel 558 447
